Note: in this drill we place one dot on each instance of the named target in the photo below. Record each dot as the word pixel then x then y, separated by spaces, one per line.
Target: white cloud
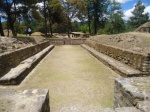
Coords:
pixel 128 13
pixel 147 9
pixel 122 1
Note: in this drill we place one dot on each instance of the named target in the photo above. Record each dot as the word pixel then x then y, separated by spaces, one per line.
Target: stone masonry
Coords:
pixel 24 101
pixel 133 92
pixel 133 59
pixel 10 60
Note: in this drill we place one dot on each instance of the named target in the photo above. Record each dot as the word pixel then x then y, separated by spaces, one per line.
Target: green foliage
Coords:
pixel 115 23
pixel 95 14
pixel 84 28
pixel 75 26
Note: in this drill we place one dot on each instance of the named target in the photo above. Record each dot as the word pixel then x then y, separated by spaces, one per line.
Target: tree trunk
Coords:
pixel 50 26
pixel 95 18
pixel 1 28
pixel 45 18
pixel 89 22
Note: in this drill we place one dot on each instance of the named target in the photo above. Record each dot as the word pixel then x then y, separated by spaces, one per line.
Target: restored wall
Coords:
pixel 67 41
pixel 136 60
pixel 9 60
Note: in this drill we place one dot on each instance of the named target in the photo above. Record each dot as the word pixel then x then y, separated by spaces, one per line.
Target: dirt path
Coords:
pixel 75 79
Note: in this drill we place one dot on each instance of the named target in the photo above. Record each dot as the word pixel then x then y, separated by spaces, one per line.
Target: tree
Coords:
pixel 1 28
pixel 138 17
pixel 55 14
pixel 9 8
pixel 115 17
pixel 98 11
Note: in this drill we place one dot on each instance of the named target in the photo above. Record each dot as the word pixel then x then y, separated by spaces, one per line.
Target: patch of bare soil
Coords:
pixel 134 41
pixel 8 44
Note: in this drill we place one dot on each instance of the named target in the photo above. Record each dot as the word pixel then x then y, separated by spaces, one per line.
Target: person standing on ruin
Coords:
pixel 29 31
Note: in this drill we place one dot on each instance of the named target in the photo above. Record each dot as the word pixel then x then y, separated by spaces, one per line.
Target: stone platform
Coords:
pixel 24 101
pixel 117 66
pixel 17 74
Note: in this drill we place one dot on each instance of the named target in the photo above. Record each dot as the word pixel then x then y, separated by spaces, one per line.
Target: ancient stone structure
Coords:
pixel 17 74
pixel 130 94
pixel 135 60
pixel 24 101
pixel 67 41
pixel 144 28
pixel 79 34
pixel 9 60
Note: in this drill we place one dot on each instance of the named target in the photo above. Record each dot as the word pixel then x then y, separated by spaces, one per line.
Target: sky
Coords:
pixel 128 6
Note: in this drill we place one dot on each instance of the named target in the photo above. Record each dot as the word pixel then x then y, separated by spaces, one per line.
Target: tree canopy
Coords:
pixel 139 17
pixel 91 16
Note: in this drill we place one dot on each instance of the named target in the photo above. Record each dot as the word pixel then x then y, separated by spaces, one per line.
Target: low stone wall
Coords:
pixel 132 92
pixel 133 59
pixel 9 60
pixel 67 41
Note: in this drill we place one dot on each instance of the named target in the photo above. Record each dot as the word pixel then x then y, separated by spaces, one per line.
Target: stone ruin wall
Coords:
pixel 127 96
pixel 133 59
pixel 67 41
pixel 144 29
pixel 9 60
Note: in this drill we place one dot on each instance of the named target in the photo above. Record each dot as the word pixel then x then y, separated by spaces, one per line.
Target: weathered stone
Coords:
pixel 12 59
pixel 17 74
pixel 127 109
pixel 25 101
pixel 133 59
pixel 123 69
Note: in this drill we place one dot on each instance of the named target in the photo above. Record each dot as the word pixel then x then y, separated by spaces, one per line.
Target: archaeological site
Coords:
pixel 102 73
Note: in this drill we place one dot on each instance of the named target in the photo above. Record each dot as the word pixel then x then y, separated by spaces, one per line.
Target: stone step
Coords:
pixel 122 109
pixel 17 74
pixel 117 66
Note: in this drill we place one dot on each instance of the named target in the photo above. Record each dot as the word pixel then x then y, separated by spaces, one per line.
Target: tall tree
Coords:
pixel 115 18
pixel 55 13
pixel 138 17
pixel 88 6
pixel 1 28
pixel 99 9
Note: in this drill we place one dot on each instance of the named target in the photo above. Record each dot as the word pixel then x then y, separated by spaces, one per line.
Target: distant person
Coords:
pixel 29 31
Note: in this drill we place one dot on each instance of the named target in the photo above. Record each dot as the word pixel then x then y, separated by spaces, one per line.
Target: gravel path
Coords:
pixel 75 79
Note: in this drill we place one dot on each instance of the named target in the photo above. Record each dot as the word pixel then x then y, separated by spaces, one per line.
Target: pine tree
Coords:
pixel 115 17
pixel 138 17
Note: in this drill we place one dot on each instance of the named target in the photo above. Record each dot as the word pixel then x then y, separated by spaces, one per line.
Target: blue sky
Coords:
pixel 128 6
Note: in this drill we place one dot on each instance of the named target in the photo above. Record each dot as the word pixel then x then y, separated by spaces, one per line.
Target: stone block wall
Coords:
pixel 132 92
pixel 56 41
pixel 133 59
pixel 67 41
pixel 9 60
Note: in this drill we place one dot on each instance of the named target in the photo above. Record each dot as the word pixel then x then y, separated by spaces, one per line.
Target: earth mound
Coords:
pixel 8 44
pixel 144 28
pixel 134 41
